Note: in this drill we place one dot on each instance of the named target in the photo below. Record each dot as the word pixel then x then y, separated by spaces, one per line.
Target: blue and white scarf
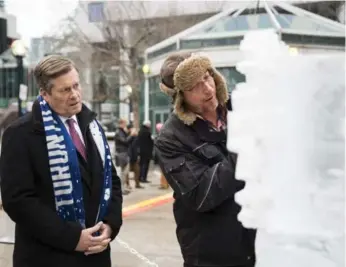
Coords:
pixel 64 167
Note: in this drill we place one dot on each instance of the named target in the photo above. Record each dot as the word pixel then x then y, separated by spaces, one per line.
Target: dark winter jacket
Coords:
pixel 201 171
pixel 145 142
pixel 122 143
pixel 133 150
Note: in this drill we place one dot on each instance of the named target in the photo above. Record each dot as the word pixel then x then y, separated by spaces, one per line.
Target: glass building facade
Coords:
pixel 9 85
pixel 224 33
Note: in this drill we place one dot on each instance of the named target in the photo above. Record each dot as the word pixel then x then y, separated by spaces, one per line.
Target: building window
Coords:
pixel 315 40
pixel 226 41
pixel 96 11
pixel 9 85
pixel 232 76
pixel 159 103
pixel 162 51
pixel 157 97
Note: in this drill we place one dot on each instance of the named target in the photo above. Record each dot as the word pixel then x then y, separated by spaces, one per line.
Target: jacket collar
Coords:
pixel 84 118
pixel 201 128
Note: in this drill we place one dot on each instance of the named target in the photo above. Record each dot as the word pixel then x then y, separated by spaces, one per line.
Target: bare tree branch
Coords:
pixel 126 30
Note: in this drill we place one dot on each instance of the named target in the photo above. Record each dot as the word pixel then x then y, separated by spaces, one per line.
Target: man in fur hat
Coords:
pixel 192 153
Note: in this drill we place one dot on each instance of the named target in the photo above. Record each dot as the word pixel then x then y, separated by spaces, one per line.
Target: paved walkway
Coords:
pixel 147 237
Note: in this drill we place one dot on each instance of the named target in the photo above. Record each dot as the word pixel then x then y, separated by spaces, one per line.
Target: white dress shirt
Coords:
pixel 76 126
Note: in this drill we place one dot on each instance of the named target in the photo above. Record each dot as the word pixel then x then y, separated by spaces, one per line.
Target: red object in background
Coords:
pixel 159 126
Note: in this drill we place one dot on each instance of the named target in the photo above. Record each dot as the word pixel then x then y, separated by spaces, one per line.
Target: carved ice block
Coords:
pixel 287 127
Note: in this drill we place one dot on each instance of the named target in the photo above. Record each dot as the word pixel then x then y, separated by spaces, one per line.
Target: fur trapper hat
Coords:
pixel 186 75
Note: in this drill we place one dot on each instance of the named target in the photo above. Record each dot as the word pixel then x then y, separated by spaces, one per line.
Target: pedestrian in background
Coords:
pixel 123 138
pixel 133 153
pixel 146 145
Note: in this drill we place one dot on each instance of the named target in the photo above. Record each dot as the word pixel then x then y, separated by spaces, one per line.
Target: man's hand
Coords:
pixel 103 240
pixel 87 239
pixel 133 132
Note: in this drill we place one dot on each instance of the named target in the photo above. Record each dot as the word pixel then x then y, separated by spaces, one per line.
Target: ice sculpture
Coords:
pixel 288 130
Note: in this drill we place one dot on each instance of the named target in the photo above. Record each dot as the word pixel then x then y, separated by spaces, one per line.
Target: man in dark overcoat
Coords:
pixel 58 182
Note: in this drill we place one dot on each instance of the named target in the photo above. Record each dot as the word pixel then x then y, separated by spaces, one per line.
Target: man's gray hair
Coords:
pixel 51 67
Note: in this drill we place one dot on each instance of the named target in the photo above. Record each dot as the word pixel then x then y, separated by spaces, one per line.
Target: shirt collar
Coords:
pixel 221 122
pixel 64 119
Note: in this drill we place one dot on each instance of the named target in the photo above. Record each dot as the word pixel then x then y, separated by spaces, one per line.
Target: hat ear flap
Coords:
pixel 165 89
pixel 186 116
pixel 222 93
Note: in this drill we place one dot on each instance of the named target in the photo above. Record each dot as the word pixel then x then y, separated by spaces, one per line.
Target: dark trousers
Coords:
pixel 250 264
pixel 188 265
pixel 144 167
pixel 134 167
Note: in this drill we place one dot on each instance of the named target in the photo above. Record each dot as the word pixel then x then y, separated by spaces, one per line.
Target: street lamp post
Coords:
pixel 129 92
pixel 19 51
pixel 146 71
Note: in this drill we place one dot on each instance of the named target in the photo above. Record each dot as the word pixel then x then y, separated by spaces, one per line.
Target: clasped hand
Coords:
pixel 90 244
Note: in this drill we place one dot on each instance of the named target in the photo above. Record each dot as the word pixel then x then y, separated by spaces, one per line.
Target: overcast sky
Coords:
pixel 36 17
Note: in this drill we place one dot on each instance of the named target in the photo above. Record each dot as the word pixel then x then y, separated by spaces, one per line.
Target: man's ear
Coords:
pixel 44 94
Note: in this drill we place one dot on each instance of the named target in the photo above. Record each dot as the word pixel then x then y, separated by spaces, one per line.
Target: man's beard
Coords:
pixel 203 109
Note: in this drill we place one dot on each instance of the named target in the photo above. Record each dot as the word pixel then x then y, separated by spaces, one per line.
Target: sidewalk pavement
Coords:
pixel 150 190
pixel 149 234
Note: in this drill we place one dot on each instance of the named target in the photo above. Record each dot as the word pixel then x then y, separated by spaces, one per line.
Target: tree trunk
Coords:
pixel 135 110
